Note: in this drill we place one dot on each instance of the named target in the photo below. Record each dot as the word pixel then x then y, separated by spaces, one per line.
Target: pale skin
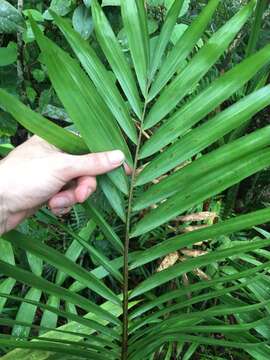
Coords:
pixel 37 173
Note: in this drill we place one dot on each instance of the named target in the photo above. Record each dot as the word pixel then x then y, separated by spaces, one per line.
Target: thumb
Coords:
pixel 73 166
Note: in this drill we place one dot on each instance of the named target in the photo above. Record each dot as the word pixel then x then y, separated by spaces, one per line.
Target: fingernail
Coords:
pixel 61 202
pixel 116 157
pixel 63 211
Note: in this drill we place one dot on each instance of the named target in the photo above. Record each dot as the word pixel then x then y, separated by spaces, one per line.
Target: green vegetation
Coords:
pixel 172 263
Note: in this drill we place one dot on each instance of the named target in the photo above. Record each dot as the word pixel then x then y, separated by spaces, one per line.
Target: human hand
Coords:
pixel 36 173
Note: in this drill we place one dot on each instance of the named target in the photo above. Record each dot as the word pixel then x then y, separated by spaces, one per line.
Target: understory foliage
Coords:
pixel 151 269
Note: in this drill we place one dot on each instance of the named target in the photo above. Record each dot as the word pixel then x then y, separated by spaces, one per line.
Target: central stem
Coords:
pixel 127 238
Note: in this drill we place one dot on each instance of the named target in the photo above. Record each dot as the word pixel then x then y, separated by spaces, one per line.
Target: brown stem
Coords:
pixel 127 238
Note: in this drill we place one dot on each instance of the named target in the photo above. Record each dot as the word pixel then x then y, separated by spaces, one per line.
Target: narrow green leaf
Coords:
pixel 140 310
pixel 165 36
pixel 155 344
pixel 89 321
pixel 239 223
pixel 175 60
pixel 60 335
pixel 94 120
pixel 170 309
pixel 115 56
pixel 107 230
pixel 26 312
pixel 198 67
pixel 100 77
pixel 177 270
pixel 42 127
pixel 75 249
pixel 256 26
pixel 206 163
pixel 224 329
pixel 114 197
pixel 79 328
pixel 73 252
pixel 6 287
pixel 204 103
pixel 6 254
pixel 98 255
pixel 221 124
pixel 135 24
pixel 49 346
pixel 32 280
pixel 61 262
pixel 49 319
pixel 209 185
pixel 101 273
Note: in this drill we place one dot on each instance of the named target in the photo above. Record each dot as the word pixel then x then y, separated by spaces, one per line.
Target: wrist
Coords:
pixel 3 213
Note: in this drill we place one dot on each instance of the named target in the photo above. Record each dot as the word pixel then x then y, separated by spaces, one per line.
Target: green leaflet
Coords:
pixel 115 56
pixel 90 321
pixel 165 36
pixel 197 67
pixel 61 262
pixel 6 254
pixel 171 295
pixel 74 250
pixel 84 105
pixel 134 19
pixel 96 254
pixel 208 185
pixel 174 271
pixel 205 102
pixel 99 75
pixel 42 127
pixel 223 228
pixel 49 319
pixel 154 344
pixel 195 110
pixel 53 347
pixel 26 312
pixel 194 300
pixel 72 327
pixel 32 280
pixel 176 58
pixel 107 230
pixel 114 197
pixel 178 181
pixel 221 124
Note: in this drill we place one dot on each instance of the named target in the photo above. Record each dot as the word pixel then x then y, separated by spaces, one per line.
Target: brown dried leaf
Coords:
pixel 193 252
pixel 168 261
pixel 200 216
pixel 202 275
pixel 193 228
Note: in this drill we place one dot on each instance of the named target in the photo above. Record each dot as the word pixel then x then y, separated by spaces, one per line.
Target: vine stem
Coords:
pixel 126 247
